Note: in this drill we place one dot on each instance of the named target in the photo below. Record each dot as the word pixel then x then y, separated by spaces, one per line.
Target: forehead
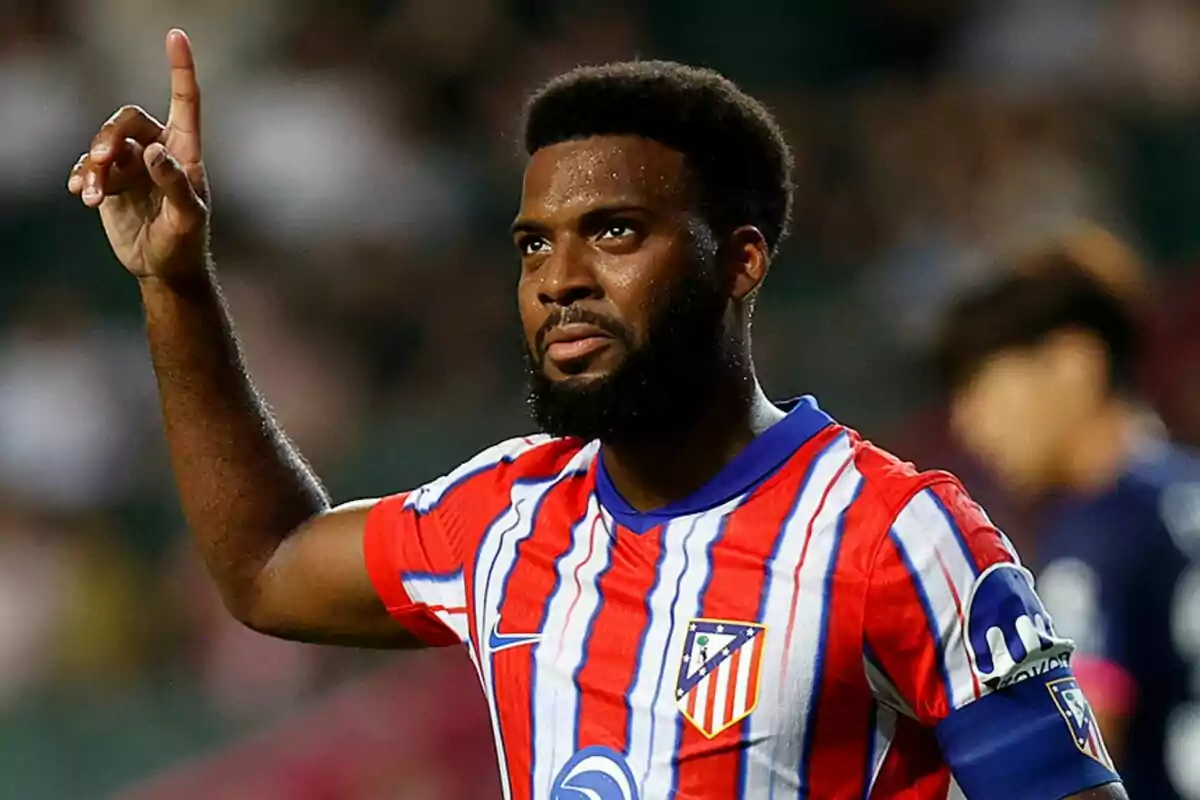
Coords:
pixel 572 176
pixel 1005 368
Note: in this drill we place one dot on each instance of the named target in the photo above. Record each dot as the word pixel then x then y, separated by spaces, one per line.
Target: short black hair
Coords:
pixel 730 140
pixel 1043 293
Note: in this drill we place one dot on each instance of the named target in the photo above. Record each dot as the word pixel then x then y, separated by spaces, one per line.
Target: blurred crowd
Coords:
pixel 365 163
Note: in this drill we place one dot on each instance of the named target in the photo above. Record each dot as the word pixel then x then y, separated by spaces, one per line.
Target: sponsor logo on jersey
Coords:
pixel 1077 713
pixel 595 773
pixel 718 679
pixel 1010 634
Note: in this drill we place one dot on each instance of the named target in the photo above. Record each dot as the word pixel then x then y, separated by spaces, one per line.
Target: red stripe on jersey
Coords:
pixel 386 527
pixel 711 702
pixel 476 510
pixel 527 592
pixel 913 768
pixel 755 674
pixel 448 609
pixel 910 656
pixel 843 726
pixel 397 540
pixel 731 695
pixel 610 663
pixel 737 577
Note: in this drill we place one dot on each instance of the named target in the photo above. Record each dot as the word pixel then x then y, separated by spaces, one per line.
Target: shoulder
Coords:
pixel 922 508
pixel 893 482
pixel 500 466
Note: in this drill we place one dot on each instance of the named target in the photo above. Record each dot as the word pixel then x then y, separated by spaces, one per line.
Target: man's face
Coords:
pixel 1020 411
pixel 620 297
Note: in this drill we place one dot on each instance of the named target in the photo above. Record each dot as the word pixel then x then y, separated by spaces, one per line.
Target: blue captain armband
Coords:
pixel 1036 739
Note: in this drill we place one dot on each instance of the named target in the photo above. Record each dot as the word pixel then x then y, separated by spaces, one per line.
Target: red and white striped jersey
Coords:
pixel 812 623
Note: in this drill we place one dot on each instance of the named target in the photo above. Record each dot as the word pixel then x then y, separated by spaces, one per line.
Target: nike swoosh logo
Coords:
pixel 502 641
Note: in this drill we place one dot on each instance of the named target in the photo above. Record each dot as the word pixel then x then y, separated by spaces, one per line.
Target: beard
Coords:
pixel 658 389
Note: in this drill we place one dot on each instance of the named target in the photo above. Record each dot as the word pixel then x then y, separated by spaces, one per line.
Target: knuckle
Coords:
pixel 162 159
pixel 114 117
pixel 120 118
pixel 130 110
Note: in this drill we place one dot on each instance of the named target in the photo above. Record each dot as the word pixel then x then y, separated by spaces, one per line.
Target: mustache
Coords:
pixel 575 315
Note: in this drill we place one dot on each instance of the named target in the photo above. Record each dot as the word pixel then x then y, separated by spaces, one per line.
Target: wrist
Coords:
pixel 184 280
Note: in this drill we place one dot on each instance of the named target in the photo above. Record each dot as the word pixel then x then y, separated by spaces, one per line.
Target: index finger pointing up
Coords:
pixel 183 119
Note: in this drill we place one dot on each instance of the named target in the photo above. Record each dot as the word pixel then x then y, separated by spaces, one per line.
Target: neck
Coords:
pixel 652 473
pixel 1098 452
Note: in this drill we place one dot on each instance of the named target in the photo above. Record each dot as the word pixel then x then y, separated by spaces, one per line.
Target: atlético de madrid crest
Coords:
pixel 718 679
pixel 1076 712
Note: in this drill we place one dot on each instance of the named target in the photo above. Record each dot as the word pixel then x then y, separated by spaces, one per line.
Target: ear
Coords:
pixel 748 258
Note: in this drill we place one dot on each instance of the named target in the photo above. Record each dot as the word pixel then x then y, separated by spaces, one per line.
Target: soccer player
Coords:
pixel 679 589
pixel 1040 368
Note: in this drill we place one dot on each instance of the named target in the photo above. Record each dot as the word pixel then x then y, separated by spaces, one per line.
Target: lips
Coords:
pixel 575 341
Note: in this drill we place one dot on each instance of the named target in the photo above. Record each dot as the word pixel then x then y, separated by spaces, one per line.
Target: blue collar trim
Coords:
pixel 757 462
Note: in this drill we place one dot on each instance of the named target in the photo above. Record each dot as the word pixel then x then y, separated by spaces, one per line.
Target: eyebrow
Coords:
pixel 526 225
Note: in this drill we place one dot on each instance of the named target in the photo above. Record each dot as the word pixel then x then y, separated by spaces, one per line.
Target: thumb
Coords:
pixel 169 176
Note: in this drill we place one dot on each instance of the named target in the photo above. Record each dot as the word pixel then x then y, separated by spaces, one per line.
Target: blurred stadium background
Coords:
pixel 365 165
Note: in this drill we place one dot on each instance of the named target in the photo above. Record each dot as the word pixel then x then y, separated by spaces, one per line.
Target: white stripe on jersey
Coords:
pixel 441 594
pixel 672 605
pixel 885 729
pixel 653 654
pixel 774 755
pixel 944 578
pixel 720 694
pixel 432 493
pixel 559 653
pixel 665 720
pixel 703 689
pixel 742 698
pixel 496 555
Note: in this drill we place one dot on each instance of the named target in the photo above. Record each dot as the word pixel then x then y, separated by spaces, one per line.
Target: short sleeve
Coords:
pixel 957 638
pixel 416 569
pixel 416 543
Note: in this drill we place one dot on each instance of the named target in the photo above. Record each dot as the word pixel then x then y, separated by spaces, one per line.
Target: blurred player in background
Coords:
pixel 1041 365
pixel 680 589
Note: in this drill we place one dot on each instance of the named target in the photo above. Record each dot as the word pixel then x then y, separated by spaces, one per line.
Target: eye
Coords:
pixel 532 245
pixel 617 230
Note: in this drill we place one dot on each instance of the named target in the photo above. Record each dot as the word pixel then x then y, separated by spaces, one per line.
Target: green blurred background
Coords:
pixel 365 165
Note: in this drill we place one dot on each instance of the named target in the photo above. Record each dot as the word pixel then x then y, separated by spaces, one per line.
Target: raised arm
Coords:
pixel 285 562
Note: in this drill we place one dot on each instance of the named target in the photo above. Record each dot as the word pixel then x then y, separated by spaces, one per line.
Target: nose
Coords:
pixel 567 276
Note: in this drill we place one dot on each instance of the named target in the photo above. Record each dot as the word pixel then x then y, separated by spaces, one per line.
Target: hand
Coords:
pixel 148 179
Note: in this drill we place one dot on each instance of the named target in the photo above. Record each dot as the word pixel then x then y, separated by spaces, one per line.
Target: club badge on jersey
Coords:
pixel 718 679
pixel 1077 713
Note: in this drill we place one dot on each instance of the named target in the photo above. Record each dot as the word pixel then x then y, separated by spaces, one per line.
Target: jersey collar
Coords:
pixel 757 461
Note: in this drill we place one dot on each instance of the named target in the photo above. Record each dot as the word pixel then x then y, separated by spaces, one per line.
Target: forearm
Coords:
pixel 243 487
